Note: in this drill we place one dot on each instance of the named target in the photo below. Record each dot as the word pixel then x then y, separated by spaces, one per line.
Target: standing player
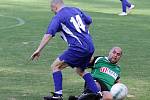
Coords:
pixel 73 25
pixel 125 4
pixel 106 73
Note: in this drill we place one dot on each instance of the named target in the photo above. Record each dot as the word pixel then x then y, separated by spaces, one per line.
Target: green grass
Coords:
pixel 23 80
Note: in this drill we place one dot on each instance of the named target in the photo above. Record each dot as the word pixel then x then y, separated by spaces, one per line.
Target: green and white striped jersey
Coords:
pixel 105 71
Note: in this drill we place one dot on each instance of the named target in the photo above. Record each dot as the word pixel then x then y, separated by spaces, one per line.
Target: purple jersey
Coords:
pixel 72 23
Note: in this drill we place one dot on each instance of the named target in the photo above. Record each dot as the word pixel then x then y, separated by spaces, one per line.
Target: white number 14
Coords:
pixel 78 23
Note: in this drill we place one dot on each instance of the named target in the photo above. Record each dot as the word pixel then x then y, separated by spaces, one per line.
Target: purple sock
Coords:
pixel 123 5
pixel 57 77
pixel 90 83
pixel 128 4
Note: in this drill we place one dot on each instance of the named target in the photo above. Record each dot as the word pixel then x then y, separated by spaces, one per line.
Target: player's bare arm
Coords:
pixel 43 43
pixel 118 81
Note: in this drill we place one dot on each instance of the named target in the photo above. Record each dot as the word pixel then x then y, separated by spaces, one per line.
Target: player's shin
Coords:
pixel 90 83
pixel 57 77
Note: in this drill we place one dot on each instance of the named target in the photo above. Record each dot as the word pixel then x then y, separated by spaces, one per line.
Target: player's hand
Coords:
pixel 35 55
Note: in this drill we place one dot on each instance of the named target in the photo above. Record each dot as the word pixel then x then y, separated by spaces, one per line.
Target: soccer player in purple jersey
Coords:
pixel 125 4
pixel 73 25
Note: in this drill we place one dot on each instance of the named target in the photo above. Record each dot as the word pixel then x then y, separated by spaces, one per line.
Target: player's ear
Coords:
pixel 57 7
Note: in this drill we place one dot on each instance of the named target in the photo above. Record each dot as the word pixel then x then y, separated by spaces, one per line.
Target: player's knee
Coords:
pixel 58 66
pixel 55 68
pixel 107 95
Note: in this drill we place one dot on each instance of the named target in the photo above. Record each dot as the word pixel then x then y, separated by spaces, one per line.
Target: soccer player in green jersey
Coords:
pixel 106 72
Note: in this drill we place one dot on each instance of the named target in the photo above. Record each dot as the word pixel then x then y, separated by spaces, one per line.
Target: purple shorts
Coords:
pixel 75 58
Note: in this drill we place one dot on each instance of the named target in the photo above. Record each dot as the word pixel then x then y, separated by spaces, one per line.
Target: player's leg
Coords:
pixel 68 57
pixel 105 91
pixel 80 69
pixel 128 4
pixel 123 3
pixel 57 66
pixel 88 79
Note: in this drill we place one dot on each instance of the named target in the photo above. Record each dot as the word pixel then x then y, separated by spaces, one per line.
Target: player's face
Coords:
pixel 114 55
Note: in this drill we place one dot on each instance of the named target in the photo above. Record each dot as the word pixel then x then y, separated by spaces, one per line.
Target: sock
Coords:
pixel 128 4
pixel 57 77
pixel 90 83
pixel 123 5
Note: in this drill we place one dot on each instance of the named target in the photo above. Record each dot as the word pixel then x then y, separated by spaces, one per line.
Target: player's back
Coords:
pixel 73 27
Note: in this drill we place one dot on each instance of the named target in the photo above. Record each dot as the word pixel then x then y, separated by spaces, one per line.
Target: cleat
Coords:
pixel 73 98
pixel 53 97
pixel 122 14
pixel 132 6
pixel 90 96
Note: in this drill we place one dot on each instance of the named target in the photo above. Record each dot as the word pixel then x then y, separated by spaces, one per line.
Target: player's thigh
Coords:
pixel 80 71
pixel 76 58
pixel 58 65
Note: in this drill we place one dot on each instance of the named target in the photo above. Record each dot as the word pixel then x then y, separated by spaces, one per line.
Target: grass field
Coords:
pixel 23 23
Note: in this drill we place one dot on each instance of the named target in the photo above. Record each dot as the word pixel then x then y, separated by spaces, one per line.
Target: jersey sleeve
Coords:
pixel 53 27
pixel 87 19
pixel 91 64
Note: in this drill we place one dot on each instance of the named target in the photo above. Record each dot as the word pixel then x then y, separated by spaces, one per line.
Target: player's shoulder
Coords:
pixel 101 59
pixel 62 14
pixel 74 8
pixel 67 11
pixel 117 67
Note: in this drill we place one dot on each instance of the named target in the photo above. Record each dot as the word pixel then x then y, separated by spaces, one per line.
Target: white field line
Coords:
pixel 130 96
pixel 19 22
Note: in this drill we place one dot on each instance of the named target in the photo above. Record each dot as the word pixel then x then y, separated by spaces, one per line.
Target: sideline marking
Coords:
pixel 19 20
